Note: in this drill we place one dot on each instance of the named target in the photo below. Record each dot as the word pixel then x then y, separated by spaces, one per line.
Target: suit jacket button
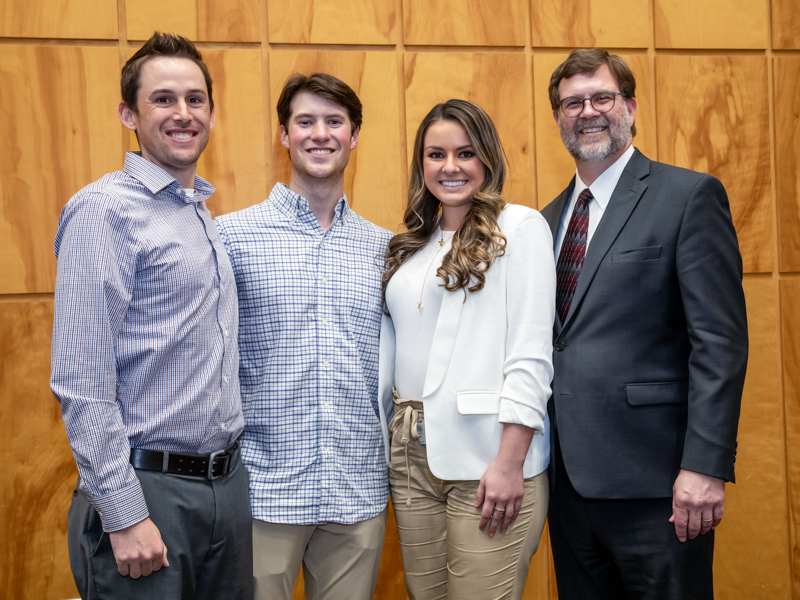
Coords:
pixel 560 346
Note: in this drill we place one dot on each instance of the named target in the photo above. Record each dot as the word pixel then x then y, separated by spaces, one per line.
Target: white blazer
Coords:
pixel 491 358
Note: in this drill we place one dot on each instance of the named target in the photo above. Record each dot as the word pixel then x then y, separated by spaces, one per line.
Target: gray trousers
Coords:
pixel 205 525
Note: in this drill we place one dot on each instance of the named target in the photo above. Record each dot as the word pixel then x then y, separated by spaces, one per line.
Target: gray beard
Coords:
pixel 619 134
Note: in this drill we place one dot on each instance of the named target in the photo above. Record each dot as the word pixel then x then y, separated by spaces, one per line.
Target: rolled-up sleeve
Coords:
pixel 530 299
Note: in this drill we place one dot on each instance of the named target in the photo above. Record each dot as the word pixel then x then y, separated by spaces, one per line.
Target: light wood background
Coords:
pixel 719 90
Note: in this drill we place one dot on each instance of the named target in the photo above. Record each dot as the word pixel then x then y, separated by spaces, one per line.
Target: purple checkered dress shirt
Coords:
pixel 144 338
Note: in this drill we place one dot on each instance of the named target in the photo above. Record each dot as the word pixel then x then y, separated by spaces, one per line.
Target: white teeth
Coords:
pixel 181 136
pixel 453 183
pixel 321 152
pixel 592 129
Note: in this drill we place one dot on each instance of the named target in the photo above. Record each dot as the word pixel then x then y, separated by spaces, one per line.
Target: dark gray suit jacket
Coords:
pixel 650 360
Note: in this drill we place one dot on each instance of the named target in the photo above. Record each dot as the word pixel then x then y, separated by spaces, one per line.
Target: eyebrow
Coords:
pixel 172 91
pixel 593 94
pixel 464 147
pixel 339 115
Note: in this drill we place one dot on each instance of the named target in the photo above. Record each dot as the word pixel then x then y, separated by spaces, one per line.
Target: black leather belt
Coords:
pixel 212 466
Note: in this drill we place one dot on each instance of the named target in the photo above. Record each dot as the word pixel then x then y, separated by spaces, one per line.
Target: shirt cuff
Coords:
pixel 121 509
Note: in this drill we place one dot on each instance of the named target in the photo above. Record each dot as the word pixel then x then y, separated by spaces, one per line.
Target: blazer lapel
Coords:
pixel 624 199
pixel 444 339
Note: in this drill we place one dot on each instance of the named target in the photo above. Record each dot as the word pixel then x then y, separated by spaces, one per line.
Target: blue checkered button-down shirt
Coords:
pixel 310 312
pixel 144 340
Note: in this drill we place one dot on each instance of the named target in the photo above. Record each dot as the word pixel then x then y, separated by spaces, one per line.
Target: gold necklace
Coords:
pixel 428 270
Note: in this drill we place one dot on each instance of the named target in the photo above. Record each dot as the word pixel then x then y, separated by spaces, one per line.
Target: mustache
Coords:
pixel 596 122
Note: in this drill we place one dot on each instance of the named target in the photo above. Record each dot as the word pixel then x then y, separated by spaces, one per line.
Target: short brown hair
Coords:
pixel 586 61
pixel 325 86
pixel 160 44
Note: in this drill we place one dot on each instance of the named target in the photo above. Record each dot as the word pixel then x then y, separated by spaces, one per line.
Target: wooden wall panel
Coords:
pixel 199 20
pixel 36 465
pixel 87 19
pixel 752 545
pixel 711 23
pixel 498 83
pixel 785 24
pixel 790 329
pixel 787 157
pixel 554 165
pixel 235 160
pixel 714 117
pixel 63 135
pixel 591 23
pixel 332 22
pixel 465 22
pixel 373 177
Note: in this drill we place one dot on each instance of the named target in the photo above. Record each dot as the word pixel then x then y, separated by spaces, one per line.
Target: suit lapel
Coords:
pixel 624 199
pixel 553 213
pixel 444 339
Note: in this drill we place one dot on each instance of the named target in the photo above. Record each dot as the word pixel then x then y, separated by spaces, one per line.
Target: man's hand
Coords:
pixel 697 504
pixel 138 549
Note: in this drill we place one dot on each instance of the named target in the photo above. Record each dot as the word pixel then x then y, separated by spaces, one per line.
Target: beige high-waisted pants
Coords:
pixel 445 555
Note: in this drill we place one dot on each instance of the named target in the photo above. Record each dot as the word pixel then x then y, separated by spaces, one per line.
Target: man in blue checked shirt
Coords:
pixel 145 361
pixel 308 272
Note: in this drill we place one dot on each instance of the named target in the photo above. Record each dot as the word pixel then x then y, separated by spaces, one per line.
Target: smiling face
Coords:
pixel 319 139
pixel 173 118
pixel 451 169
pixel 593 136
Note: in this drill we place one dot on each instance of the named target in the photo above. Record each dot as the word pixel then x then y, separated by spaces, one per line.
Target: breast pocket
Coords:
pixel 637 254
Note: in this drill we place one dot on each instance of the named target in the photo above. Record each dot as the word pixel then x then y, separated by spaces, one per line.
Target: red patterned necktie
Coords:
pixel 573 251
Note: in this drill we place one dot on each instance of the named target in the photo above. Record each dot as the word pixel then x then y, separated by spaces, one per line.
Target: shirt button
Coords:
pixel 326 405
pixel 226 333
pixel 225 378
pixel 221 287
pixel 222 427
pixel 324 321
pixel 324 280
pixel 325 363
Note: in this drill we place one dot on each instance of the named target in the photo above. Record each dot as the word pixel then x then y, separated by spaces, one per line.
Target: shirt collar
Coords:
pixel 155 179
pixel 291 203
pixel 603 186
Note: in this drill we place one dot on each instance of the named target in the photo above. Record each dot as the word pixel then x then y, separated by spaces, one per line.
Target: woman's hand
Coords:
pixel 500 491
pixel 501 488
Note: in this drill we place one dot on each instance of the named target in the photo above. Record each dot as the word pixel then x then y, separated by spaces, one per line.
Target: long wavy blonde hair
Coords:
pixel 477 241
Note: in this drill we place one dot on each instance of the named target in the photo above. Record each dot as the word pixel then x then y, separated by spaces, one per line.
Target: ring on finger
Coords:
pixel 499 510
pixel 708 520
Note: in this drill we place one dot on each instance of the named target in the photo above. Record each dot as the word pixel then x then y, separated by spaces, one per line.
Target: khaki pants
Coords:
pixel 340 562
pixel 445 555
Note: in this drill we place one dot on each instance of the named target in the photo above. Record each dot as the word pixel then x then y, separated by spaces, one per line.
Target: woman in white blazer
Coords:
pixel 466 366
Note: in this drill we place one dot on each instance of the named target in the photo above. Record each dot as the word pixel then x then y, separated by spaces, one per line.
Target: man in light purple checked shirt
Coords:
pixel 145 360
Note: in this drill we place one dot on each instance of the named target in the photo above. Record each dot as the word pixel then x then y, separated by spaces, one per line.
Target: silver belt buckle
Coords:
pixel 212 457
pixel 421 432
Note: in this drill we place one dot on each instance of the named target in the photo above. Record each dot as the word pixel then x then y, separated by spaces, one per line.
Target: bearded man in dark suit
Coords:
pixel 650 352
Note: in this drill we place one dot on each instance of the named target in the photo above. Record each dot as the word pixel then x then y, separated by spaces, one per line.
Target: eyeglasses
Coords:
pixel 602 102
